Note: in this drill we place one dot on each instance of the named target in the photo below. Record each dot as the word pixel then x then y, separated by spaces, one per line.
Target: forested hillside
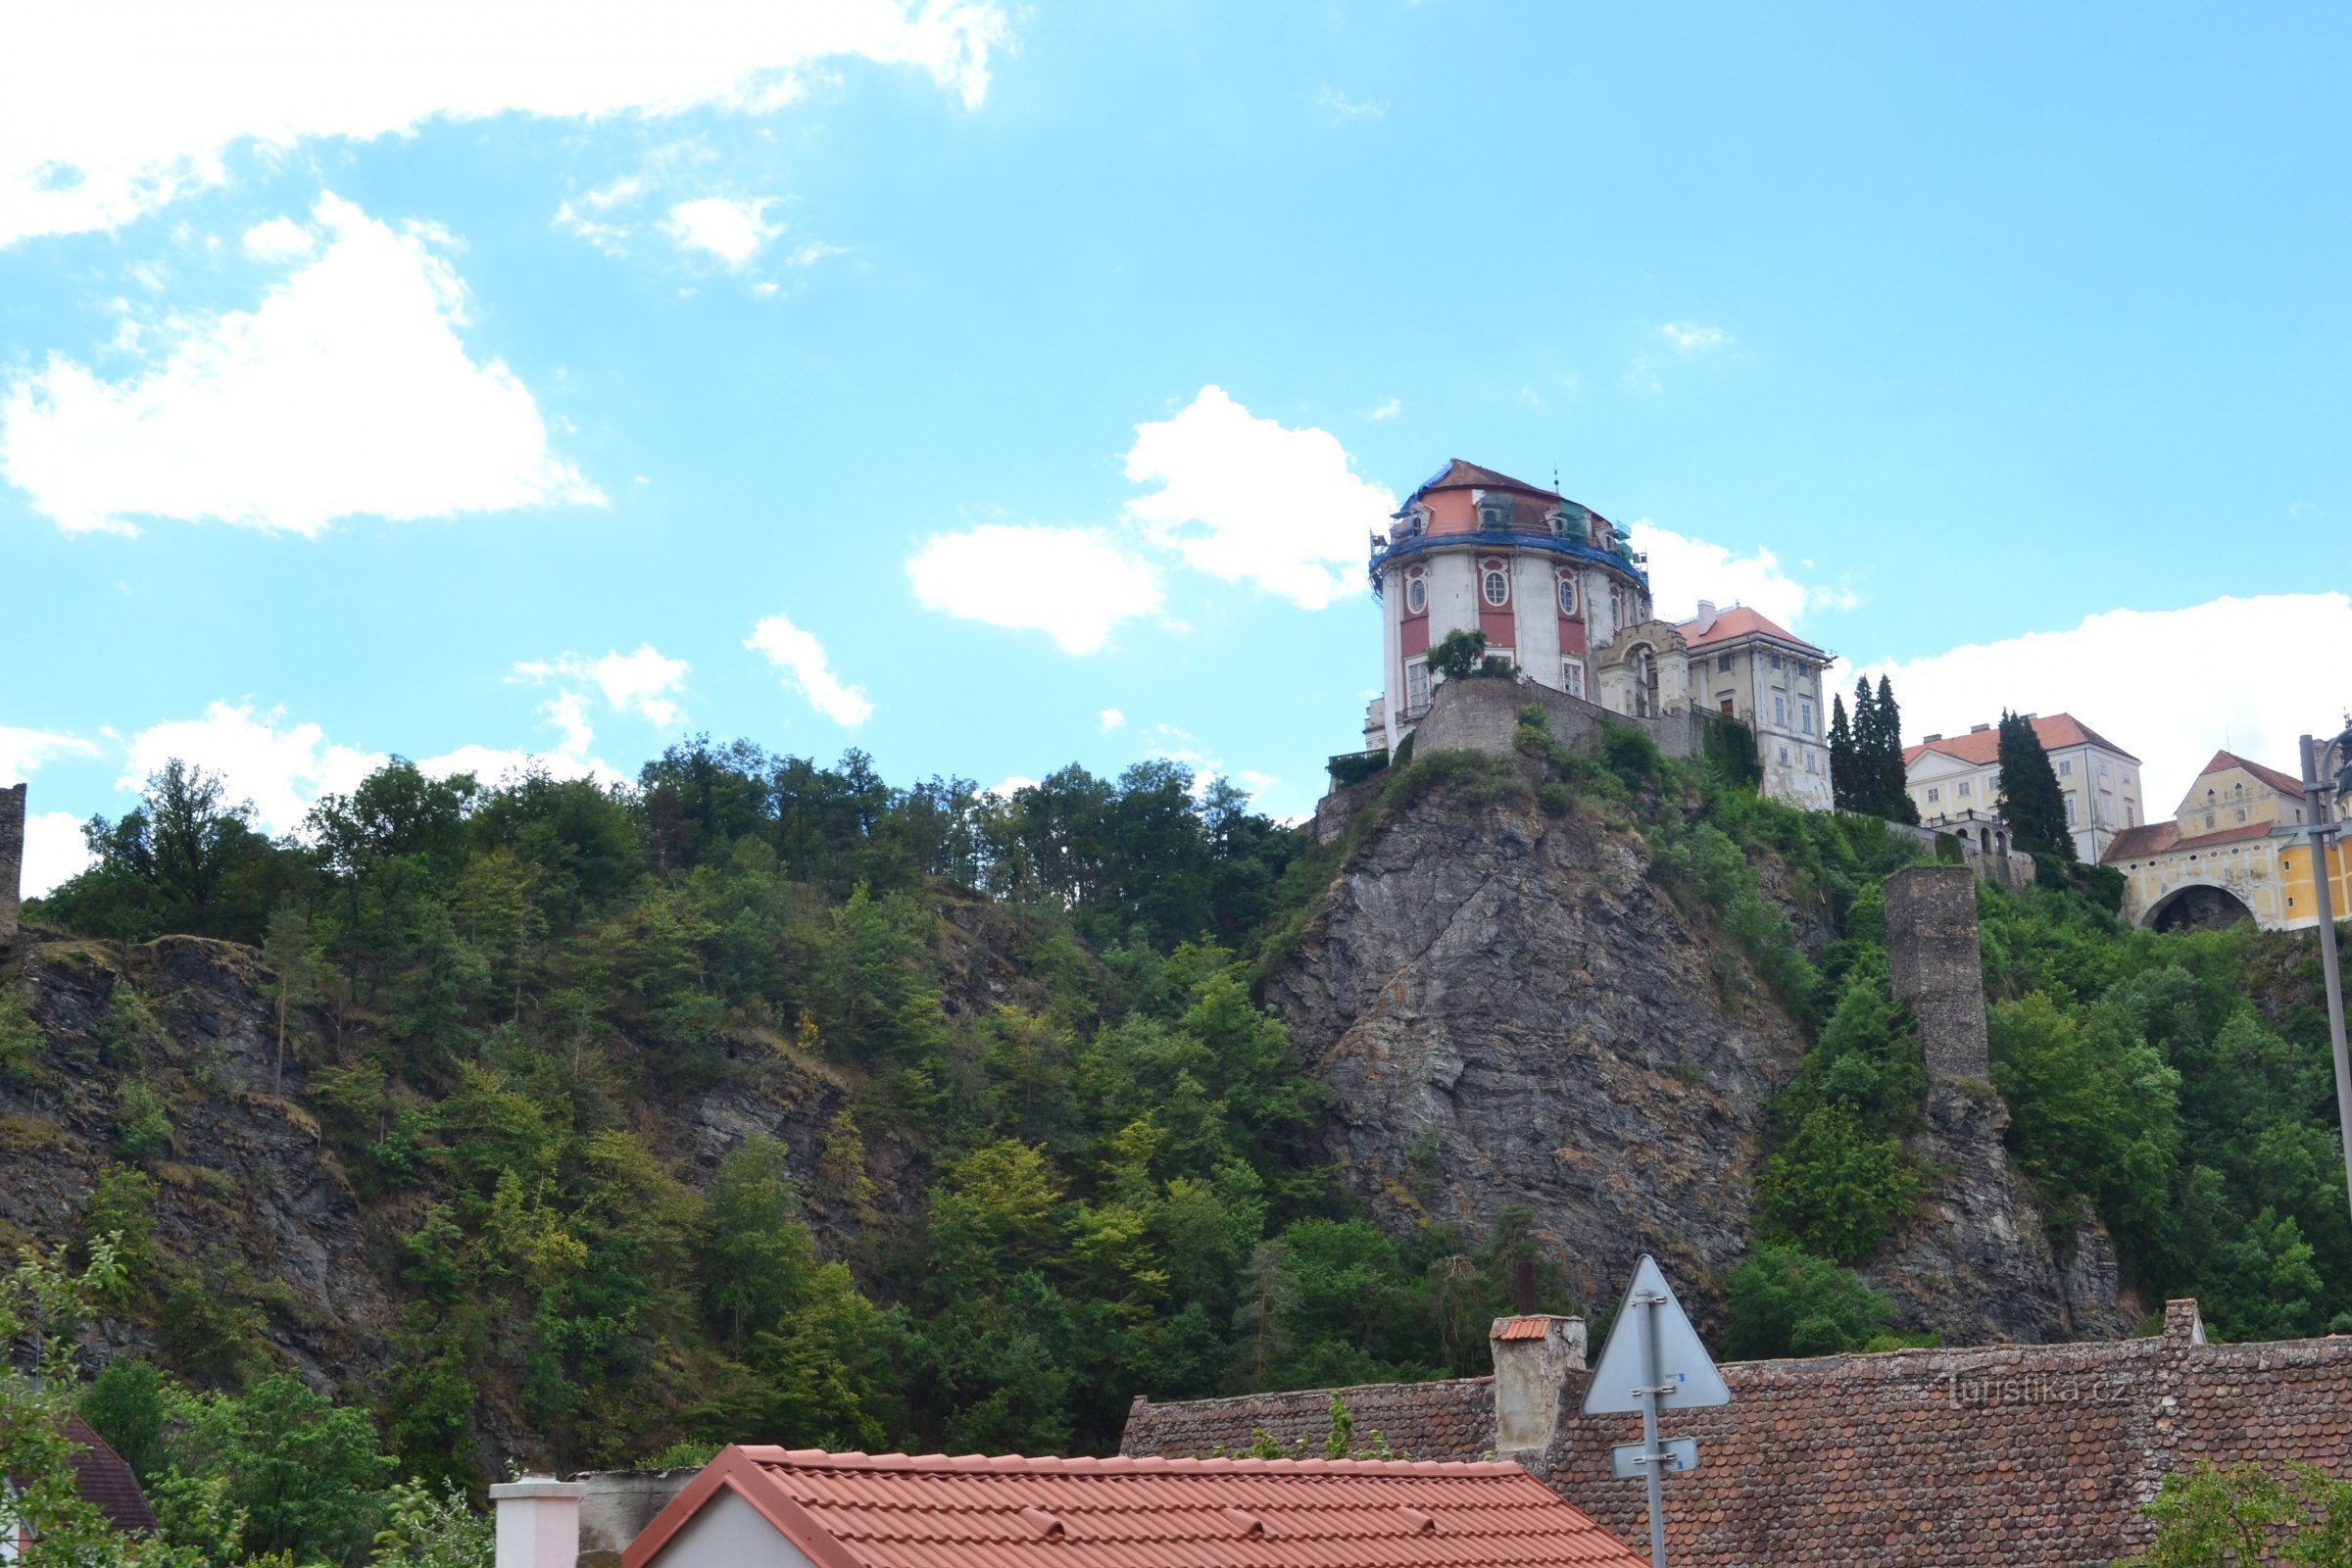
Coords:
pixel 1047 1153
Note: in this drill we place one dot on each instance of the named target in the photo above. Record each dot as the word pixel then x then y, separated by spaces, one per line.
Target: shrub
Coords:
pixel 20 1039
pixel 1783 1303
pixel 1834 1187
pixel 1354 767
pixel 143 1123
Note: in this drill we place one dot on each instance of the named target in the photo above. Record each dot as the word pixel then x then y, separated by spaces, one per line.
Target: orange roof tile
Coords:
pixel 857 1510
pixel 1984 746
pixel 2284 785
pixel 1460 476
pixel 1740 621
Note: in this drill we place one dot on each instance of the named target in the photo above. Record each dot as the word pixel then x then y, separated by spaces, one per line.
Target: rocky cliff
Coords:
pixel 1508 1009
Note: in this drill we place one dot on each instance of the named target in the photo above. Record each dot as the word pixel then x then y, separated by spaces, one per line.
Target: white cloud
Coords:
pixel 801 659
pixel 54 851
pixel 347 391
pixel 1113 719
pixel 1688 337
pixel 1683 571
pixel 644 682
pixel 1342 107
pixel 23 750
pixel 280 768
pixel 1389 410
pixel 491 766
pixel 2126 674
pixel 1246 500
pixel 1074 584
pixel 1010 786
pixel 729 228
pixel 106 116
pixel 280 240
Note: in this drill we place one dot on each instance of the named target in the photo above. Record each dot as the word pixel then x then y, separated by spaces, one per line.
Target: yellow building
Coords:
pixel 2234 851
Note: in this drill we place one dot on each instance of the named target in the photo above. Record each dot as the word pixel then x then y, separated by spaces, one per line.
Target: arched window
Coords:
pixel 1497 586
pixel 1416 594
pixel 1567 596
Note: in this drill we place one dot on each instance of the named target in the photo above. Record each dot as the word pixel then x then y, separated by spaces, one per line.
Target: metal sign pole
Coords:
pixel 2321 830
pixel 1653 1465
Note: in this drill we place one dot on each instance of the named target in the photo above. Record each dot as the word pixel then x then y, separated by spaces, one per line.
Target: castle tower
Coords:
pixel 12 856
pixel 1935 962
pixel 1550 583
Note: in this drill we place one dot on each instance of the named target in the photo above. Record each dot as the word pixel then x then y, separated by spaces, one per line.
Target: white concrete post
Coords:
pixel 538 1521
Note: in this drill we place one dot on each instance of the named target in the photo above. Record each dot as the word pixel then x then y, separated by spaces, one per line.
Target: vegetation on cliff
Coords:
pixel 498 998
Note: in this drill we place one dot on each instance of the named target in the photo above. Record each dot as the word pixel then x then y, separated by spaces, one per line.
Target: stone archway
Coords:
pixel 2198 906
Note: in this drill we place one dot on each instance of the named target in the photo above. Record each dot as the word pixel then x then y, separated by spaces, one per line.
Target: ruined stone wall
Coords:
pixel 12 856
pixel 1481 714
pixel 1932 956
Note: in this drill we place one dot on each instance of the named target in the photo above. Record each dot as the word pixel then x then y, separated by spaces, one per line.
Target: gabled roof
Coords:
pixel 2162 837
pixel 857 1510
pixel 1982 747
pixel 1742 621
pixel 106 1481
pixel 1460 476
pixel 2225 761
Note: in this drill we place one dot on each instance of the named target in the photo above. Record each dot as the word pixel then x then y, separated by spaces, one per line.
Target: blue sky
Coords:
pixel 996 386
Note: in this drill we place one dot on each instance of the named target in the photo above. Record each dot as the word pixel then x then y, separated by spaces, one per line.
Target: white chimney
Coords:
pixel 538 1521
pixel 1707 616
pixel 1534 1357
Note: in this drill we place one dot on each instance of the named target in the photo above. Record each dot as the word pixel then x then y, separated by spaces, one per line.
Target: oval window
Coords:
pixel 1567 596
pixel 1498 588
pixel 1416 595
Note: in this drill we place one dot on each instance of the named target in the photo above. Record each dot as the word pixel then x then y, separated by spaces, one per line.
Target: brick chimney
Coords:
pixel 12 856
pixel 1535 1355
pixel 538 1521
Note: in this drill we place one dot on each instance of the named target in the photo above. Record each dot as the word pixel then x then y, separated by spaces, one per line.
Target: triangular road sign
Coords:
pixel 1685 1369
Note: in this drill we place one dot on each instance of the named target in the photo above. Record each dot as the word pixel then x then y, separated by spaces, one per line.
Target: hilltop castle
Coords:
pixel 1558 591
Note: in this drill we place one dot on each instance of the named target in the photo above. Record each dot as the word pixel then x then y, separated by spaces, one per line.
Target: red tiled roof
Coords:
pixel 855 1510
pixel 1740 621
pixel 2291 787
pixel 2039 1455
pixel 107 1483
pixel 1460 476
pixel 2162 838
pixel 1984 746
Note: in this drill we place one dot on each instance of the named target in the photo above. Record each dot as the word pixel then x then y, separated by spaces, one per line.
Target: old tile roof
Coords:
pixel 1740 621
pixel 2025 1454
pixel 106 1481
pixel 1447 1420
pixel 1984 746
pixel 1460 476
pixel 2282 783
pixel 855 1510
pixel 2162 837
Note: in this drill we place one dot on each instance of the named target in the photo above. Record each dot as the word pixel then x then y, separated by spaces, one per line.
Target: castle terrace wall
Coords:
pixel 1480 714
pixel 2014 1455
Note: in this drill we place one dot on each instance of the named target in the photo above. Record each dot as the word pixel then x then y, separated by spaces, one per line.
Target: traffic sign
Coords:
pixel 1686 1375
pixel 1625 1459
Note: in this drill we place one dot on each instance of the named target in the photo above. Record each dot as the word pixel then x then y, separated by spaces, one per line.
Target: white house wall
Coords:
pixel 729 1532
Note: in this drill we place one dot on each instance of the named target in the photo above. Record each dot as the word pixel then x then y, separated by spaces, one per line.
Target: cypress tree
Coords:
pixel 1896 803
pixel 1841 757
pixel 1864 791
pixel 2031 802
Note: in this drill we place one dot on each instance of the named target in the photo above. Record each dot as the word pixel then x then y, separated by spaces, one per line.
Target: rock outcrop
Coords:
pixel 1507 1009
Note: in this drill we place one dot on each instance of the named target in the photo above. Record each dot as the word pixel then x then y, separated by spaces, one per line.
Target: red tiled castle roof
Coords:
pixel 1460 476
pixel 2282 783
pixel 855 1510
pixel 1740 621
pixel 1984 746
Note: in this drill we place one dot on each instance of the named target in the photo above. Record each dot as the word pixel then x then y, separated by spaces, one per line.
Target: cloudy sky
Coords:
pixel 992 385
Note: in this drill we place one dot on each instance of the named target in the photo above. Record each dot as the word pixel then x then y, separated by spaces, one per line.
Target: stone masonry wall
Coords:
pixel 1480 714
pixel 1934 959
pixel 12 856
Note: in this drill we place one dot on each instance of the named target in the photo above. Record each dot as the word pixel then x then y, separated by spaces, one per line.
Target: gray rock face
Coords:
pixel 1507 1010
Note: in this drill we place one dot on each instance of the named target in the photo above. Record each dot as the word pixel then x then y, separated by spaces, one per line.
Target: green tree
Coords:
pixel 2245 1516
pixel 1845 766
pixel 1458 654
pixel 1783 1302
pixel 1886 737
pixel 294 982
pixel 2030 801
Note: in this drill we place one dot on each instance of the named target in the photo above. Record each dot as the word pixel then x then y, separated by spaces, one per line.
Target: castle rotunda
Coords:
pixel 1550 582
